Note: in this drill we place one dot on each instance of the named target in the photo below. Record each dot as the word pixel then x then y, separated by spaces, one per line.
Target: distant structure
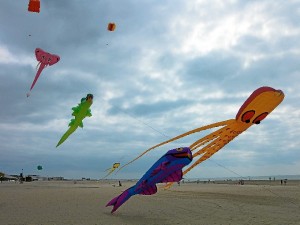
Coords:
pixel 4 177
pixel 55 178
pixel 33 177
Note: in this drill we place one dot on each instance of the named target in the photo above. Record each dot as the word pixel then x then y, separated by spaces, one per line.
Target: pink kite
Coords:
pixel 45 59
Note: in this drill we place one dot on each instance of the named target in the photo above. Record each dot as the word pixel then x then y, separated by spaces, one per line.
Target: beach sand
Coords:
pixel 83 203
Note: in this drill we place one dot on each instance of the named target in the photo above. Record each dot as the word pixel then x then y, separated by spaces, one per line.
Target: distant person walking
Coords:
pixel 21 178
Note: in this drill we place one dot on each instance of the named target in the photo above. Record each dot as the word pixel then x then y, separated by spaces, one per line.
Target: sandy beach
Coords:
pixel 83 203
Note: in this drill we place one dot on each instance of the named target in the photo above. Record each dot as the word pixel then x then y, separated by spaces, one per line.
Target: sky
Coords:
pixel 169 67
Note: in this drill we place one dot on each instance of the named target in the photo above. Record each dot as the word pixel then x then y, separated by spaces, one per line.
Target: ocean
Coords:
pixel 272 177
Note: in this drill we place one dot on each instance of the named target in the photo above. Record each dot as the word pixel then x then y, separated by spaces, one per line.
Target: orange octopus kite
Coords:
pixel 256 108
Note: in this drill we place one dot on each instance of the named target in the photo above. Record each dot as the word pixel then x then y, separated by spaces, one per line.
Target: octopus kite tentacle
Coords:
pixel 218 124
pixel 208 150
pixel 211 136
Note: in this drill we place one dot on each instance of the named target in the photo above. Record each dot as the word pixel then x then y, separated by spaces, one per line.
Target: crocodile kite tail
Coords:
pixel 66 135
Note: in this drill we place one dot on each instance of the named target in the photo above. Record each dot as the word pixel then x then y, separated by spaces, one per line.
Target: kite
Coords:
pixel 112 169
pixel 79 112
pixel 256 108
pixel 34 6
pixel 167 169
pixel 111 26
pixel 39 167
pixel 45 59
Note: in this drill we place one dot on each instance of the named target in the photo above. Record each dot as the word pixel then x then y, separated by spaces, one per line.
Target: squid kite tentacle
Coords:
pixel 218 124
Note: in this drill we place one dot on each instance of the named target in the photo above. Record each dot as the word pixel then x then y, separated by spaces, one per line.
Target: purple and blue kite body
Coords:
pixel 167 169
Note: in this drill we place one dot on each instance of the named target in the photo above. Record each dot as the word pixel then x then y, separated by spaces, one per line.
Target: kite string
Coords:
pixel 140 121
pixel 120 109
pixel 161 133
pixel 245 178
pixel 152 128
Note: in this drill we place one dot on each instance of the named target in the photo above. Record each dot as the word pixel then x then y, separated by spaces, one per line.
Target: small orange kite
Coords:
pixel 111 26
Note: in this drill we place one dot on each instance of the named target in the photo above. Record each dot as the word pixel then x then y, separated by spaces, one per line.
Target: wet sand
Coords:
pixel 83 203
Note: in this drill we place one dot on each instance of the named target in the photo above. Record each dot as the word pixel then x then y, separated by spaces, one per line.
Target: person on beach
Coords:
pixel 21 178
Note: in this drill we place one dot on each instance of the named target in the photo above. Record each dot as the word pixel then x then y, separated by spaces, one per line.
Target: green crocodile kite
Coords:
pixel 79 112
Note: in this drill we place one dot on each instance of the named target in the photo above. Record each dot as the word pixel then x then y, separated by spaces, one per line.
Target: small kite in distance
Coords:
pixel 34 6
pixel 112 169
pixel 111 26
pixel 39 167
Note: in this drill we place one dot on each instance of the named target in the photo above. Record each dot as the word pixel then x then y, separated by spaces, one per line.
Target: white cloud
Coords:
pixel 7 57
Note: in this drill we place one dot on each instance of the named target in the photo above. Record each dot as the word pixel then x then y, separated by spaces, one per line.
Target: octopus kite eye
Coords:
pixel 260 118
pixel 179 149
pixel 246 117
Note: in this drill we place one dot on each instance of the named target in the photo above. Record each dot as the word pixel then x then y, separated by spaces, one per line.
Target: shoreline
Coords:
pixel 182 182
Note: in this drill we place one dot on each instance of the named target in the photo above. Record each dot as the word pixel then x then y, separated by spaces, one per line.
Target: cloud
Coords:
pixel 167 68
